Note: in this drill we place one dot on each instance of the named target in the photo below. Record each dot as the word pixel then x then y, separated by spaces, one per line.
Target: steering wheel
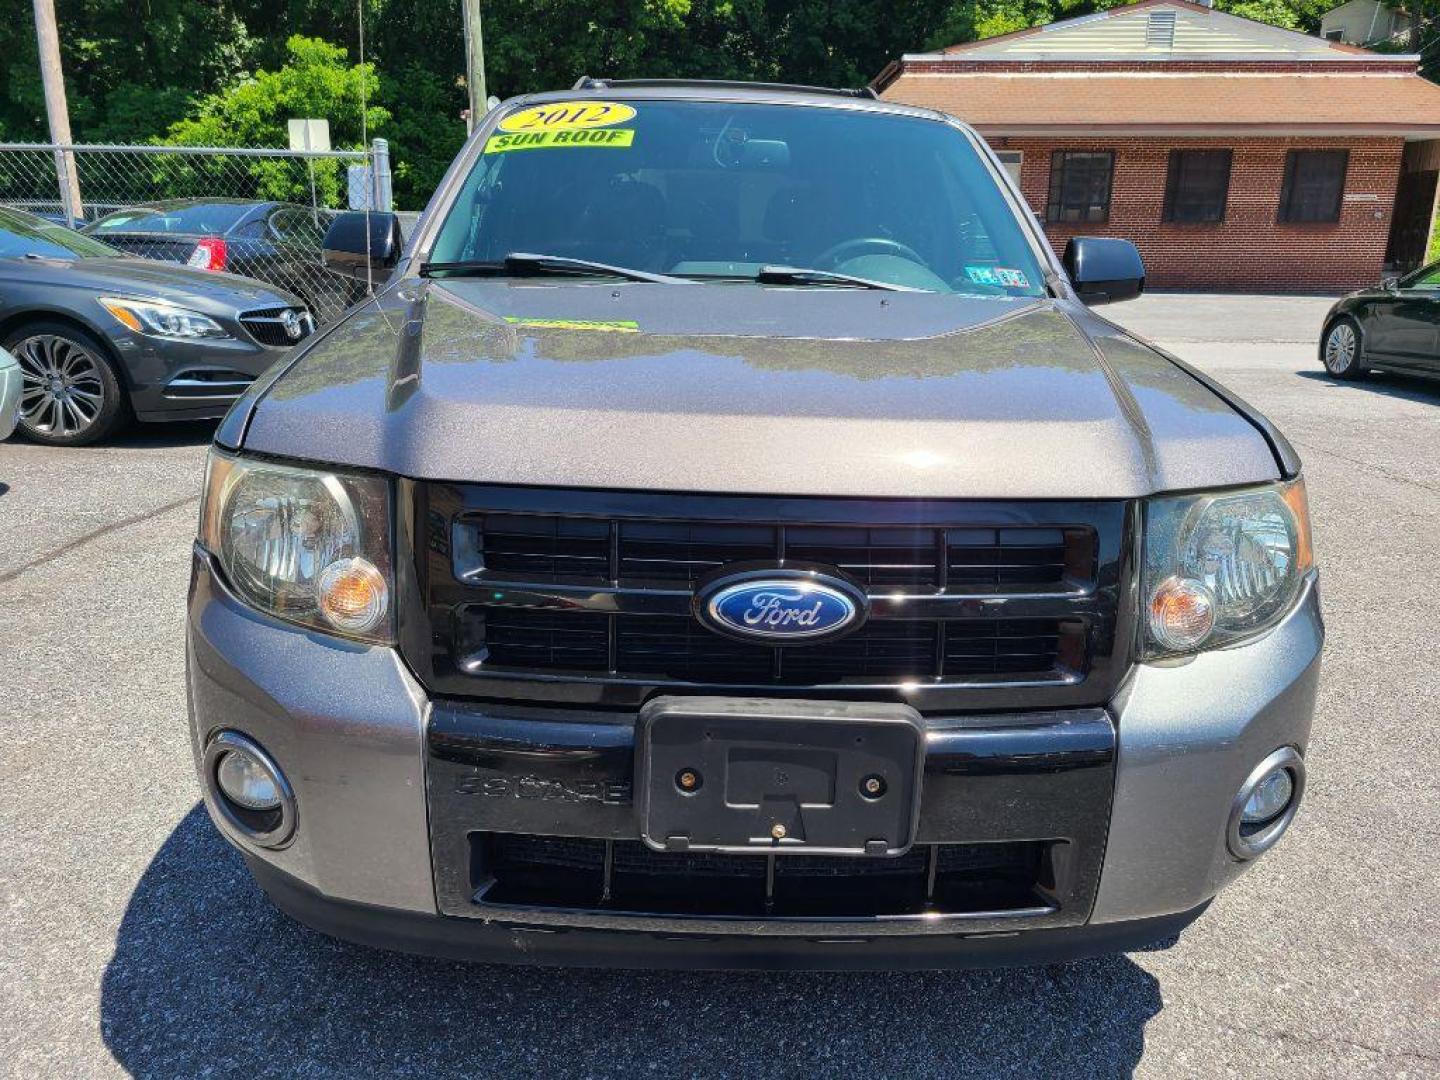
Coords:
pixel 834 255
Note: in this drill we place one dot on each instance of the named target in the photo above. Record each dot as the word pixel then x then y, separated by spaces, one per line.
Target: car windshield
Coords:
pixel 715 190
pixel 24 234
pixel 215 218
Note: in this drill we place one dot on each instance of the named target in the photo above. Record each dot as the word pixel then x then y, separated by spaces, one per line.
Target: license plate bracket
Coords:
pixel 778 776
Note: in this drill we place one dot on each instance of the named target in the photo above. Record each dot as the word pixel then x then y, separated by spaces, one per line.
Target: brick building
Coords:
pixel 1235 154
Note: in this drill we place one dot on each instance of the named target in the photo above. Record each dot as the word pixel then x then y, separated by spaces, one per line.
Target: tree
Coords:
pixel 316 81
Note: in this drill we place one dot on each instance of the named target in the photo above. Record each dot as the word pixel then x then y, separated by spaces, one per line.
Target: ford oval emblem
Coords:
pixel 781 607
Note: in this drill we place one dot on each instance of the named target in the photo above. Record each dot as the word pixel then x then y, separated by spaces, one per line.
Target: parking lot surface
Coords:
pixel 131 938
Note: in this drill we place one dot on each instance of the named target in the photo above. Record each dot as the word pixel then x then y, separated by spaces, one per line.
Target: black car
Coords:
pixel 102 337
pixel 277 242
pixel 1395 327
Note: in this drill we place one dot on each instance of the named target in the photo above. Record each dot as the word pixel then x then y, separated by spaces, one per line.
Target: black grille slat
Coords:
pixel 568 872
pixel 687 552
pixel 543 640
pixel 552 548
pixel 684 650
pixel 584 596
pixel 681 649
pixel 1007 558
pixel 266 328
pixel 541 548
pixel 877 558
pixel 899 650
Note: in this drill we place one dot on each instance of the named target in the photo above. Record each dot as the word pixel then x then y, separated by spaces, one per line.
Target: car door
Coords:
pixel 1422 301
pixel 1406 320
pixel 299 232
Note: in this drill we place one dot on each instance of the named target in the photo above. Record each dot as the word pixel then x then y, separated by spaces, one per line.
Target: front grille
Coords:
pixel 678 648
pixel 586 597
pixel 553 548
pixel 267 326
pixel 626 876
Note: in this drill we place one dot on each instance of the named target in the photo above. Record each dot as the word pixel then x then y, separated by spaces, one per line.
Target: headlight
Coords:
pixel 159 319
pixel 1222 567
pixel 307 545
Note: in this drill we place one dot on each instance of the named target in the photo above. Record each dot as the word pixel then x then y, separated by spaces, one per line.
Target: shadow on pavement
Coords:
pixel 1406 387
pixel 207 977
pixel 163 436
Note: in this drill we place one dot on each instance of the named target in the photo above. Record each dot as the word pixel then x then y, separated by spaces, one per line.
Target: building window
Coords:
pixel 1314 185
pixel 1196 185
pixel 1012 161
pixel 1080 186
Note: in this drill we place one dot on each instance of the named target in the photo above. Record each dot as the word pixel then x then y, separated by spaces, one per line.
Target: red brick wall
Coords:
pixel 1250 251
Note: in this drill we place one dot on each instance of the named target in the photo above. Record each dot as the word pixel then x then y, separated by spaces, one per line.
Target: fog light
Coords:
pixel 1269 798
pixel 1266 803
pixel 243 779
pixel 252 799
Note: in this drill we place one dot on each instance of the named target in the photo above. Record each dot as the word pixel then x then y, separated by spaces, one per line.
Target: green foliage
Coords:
pixel 425 121
pixel 315 81
pixel 233 71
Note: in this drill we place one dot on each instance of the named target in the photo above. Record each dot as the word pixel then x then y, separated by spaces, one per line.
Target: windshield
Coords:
pixel 714 190
pixel 25 234
pixel 195 218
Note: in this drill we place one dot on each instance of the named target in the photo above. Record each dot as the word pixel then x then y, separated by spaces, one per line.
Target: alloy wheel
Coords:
pixel 62 392
pixel 1340 348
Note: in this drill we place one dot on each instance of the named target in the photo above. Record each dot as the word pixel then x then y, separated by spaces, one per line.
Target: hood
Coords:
pixel 205 290
pixel 750 389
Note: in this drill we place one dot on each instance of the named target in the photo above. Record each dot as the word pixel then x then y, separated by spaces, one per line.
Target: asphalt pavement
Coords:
pixel 131 938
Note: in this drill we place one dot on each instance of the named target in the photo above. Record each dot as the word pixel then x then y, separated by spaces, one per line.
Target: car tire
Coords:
pixel 71 394
pixel 1342 350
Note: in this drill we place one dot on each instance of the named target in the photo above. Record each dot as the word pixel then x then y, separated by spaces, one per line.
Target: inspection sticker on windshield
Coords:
pixel 997 275
pixel 568 116
pixel 541 140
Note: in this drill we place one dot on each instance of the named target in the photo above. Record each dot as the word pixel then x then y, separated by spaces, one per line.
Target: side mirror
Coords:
pixel 360 245
pixel 1390 284
pixel 1104 270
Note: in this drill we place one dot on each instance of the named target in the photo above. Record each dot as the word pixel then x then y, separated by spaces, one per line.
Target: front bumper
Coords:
pixel 189 380
pixel 393 787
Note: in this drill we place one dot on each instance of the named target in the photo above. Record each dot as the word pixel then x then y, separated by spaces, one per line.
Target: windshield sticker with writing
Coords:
pixel 568 116
pixel 542 140
pixel 997 275
pixel 622 326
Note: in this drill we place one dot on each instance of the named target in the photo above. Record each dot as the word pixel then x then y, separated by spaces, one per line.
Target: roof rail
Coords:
pixel 586 82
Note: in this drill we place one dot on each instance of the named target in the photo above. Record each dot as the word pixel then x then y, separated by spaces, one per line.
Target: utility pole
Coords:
pixel 474 62
pixel 47 39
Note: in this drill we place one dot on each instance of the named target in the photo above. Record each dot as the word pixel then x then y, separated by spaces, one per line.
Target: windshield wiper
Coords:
pixel 545 264
pixel 798 275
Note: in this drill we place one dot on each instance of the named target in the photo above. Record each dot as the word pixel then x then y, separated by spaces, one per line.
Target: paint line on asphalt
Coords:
pixel 1378 470
pixel 95 534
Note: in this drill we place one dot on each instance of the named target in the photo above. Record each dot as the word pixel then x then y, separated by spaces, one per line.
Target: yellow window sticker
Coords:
pixel 623 326
pixel 568 116
pixel 539 140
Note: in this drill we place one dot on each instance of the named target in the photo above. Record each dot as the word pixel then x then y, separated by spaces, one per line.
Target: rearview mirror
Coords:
pixel 363 246
pixel 1104 270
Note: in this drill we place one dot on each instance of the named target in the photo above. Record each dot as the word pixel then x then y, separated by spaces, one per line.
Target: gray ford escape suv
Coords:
pixel 728 539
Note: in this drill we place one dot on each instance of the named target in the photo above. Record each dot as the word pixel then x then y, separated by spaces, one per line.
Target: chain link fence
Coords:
pixel 259 213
